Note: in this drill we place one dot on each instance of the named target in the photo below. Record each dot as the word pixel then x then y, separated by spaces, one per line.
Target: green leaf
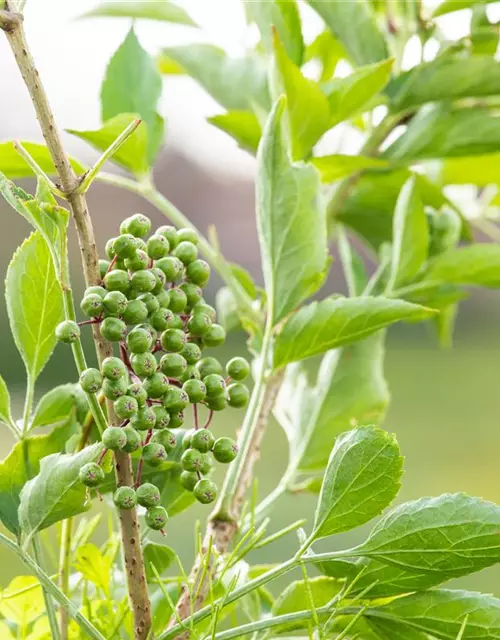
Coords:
pixel 478 170
pixel 21 602
pixel 350 389
pixel 308 110
pixel 22 463
pixel 5 412
pixel 58 405
pixel 163 10
pixel 158 555
pixel 235 83
pixel 442 132
pixel 133 154
pixel 283 15
pixel 14 166
pixel 351 95
pixel 338 166
pixel 328 51
pixel 56 493
pixel 291 222
pixel 335 322
pixel 133 85
pixel 441 613
pixel 94 566
pixel 476 265
pixel 353 265
pixel 448 6
pixel 452 535
pixel 354 24
pixel 34 303
pixel 410 236
pixel 243 126
pixel 445 78
pixel 362 478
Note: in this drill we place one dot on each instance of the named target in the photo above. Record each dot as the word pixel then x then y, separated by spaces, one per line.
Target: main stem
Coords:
pixel 12 24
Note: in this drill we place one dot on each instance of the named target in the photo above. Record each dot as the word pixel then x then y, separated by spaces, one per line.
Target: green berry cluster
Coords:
pixel 150 304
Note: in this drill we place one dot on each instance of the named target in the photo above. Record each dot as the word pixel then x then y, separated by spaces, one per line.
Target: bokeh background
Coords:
pixel 445 405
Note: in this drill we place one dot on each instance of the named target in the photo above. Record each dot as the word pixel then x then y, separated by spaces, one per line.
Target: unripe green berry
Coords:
pixel 157 247
pixel 186 251
pixel 150 301
pixel 206 464
pixel 191 353
pixel 207 366
pixel 138 225
pixel 178 300
pixel 147 327
pixel 103 267
pixel 175 400
pixel 154 454
pixel 162 319
pixel 144 419
pixel 109 248
pixel 219 403
pixel 187 438
pixel 91 380
pixel 126 406
pixel 225 450
pixel 187 235
pixel 215 336
pixel 166 438
pixel 113 329
pixel 160 280
pixel 205 491
pixel 68 331
pixel 125 498
pixel 148 495
pixel 114 438
pixel 137 391
pixel 113 368
pixel 214 384
pixel 139 341
pixel 91 305
pixel 124 246
pixel 115 303
pixel 191 460
pixel 100 291
pixel 139 262
pixel 162 417
pixel 171 267
pixel 156 385
pixel 198 272
pixel 188 480
pixel 91 474
pixel 238 369
pixel 156 518
pixel 193 293
pixel 203 307
pixel 143 281
pixel 203 440
pixel 134 440
pixel 173 340
pixel 177 322
pixel 176 419
pixel 170 233
pixel 114 389
pixel 173 365
pixel 237 395
pixel 135 312
pixel 163 298
pixel 143 364
pixel 199 325
pixel 191 373
pixel 117 280
pixel 195 390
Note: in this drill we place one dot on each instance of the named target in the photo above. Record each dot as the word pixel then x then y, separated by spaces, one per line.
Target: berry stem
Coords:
pixel 209 419
pixel 82 323
pixel 195 412
pixel 101 457
pixel 112 264
pixel 141 461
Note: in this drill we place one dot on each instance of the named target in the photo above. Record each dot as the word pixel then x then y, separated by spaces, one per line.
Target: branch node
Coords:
pixel 10 21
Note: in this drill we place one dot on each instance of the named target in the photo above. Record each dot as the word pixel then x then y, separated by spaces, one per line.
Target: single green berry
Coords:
pixel 138 225
pixel 156 518
pixel 207 366
pixel 113 329
pixel 203 440
pixel 193 293
pixel 191 460
pixel 219 403
pixel 187 235
pixel 166 438
pixel 160 280
pixel 109 249
pixel 173 340
pixel 191 353
pixel 162 417
pixel 171 266
pixel 173 365
pixel 150 301
pixel 139 262
pixel 215 385
pixel 225 450
pixel 177 322
pixel 125 498
pixel 195 390
pixel 95 290
pixel 143 281
pixel 117 280
pixel 205 491
pixel 199 325
pixel 154 454
pixel 176 420
pixel 188 480
pixel 115 303
pixel 178 300
pixel 156 385
pixel 91 305
pixel 68 331
pixel 144 419
pixel 187 438
pixel 203 307
pixel 206 464
pixel 137 391
pixel 198 272
pixel 162 319
pixel 114 389
pixel 114 438
pixel 237 395
pixel 91 380
pixel 148 495
pixel 134 440
pixel 238 369
pixel 191 373
pixel 163 298
pixel 139 341
pixel 126 406
pixel 124 246
pixel 135 312
pixel 157 247
pixel 170 233
pixel 147 327
pixel 103 268
pixel 175 400
pixel 143 364
pixel 113 368
pixel 186 251
pixel 91 474
pixel 215 336
pixel 140 244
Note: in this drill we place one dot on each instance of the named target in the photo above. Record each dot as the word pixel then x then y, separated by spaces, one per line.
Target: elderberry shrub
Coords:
pixel 150 306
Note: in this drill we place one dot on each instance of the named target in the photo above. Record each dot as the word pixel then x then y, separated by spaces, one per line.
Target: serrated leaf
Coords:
pixel 162 10
pixel 58 405
pixel 410 236
pixel 14 166
pixel 133 84
pixel 335 322
pixel 308 111
pixel 158 555
pixel 475 265
pixel 22 463
pixel 291 222
pixel 243 126
pixel 34 303
pixel 350 389
pixel 337 166
pixel 354 24
pixel 5 412
pixel 235 83
pixel 441 612
pixel 94 566
pixel 453 535
pixel 350 95
pixel 362 478
pixel 56 493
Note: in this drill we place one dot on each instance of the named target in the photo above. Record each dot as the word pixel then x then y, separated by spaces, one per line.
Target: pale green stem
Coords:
pixel 49 604
pixel 28 402
pixel 37 170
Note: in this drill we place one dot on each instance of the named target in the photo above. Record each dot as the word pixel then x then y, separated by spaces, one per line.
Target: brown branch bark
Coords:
pixel 12 24
pixel 220 533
